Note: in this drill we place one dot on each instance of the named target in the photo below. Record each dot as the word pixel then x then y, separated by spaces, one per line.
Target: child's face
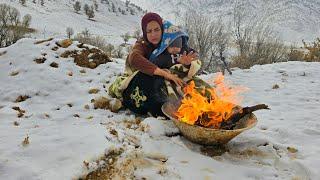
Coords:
pixel 174 50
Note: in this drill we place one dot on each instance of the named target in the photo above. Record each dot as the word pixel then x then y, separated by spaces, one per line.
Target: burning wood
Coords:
pixel 213 107
pixel 231 122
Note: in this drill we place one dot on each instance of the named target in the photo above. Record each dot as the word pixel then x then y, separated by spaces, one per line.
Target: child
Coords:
pixel 172 55
pixel 175 55
pixel 173 48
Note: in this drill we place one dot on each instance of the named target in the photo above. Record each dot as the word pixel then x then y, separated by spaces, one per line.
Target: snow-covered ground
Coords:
pixel 64 134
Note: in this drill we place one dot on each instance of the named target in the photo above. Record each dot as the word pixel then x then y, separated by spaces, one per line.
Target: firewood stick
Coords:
pixel 230 123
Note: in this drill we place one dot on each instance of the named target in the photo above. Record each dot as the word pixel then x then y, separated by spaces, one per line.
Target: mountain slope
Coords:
pixel 55 16
pixel 293 19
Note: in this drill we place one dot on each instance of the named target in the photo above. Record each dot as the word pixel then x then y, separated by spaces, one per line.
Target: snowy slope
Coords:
pixel 52 19
pixel 294 20
pixel 59 142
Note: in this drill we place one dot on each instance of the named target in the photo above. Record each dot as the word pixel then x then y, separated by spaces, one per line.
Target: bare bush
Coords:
pixel 86 38
pixel 90 12
pixel 255 40
pixel 125 37
pixel 77 7
pixel 69 32
pixel 137 33
pixel 11 27
pixel 108 49
pixel 313 51
pixel 209 38
pixel 118 52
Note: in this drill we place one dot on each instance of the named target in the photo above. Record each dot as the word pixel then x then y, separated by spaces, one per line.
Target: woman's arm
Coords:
pixel 137 58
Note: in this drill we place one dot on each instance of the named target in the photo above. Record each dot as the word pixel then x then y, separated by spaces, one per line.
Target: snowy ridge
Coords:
pixel 294 20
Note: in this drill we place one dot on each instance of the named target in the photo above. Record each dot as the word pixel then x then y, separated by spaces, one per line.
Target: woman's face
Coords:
pixel 153 32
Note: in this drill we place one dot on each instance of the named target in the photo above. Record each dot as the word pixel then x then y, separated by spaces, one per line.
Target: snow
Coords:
pixel 60 143
pixel 292 20
pixel 52 19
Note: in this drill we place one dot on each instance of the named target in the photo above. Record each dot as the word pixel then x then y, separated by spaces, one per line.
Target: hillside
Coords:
pixel 294 20
pixel 49 128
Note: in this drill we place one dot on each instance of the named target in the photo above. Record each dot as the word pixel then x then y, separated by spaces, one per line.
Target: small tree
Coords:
pixel 201 35
pixel 11 28
pixel 86 8
pixel 26 20
pixel 137 33
pixel 96 6
pixel 42 2
pixel 22 2
pixel 109 49
pixel 90 12
pixel 86 33
pixel 70 32
pixel 113 8
pixel 118 52
pixel 132 12
pixel 77 6
pixel 127 3
pixel 34 1
pixel 125 37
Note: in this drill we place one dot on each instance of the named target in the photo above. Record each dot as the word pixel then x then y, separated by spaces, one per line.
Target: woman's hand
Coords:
pixel 186 59
pixel 175 79
pixel 171 77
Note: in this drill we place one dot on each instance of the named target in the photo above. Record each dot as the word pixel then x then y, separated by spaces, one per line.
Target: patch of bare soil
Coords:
pixel 22 98
pixel 123 168
pixel 212 151
pixel 87 57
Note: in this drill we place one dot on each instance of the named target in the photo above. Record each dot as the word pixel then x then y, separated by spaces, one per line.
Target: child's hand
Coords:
pixel 186 59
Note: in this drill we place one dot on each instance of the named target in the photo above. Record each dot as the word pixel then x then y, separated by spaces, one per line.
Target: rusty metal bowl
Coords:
pixel 207 136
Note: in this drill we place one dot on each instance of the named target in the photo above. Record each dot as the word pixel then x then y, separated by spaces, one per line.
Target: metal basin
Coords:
pixel 207 136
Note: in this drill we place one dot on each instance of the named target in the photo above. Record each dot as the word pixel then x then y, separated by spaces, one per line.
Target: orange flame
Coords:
pixel 209 106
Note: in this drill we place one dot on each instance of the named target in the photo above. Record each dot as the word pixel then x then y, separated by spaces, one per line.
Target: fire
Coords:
pixel 208 107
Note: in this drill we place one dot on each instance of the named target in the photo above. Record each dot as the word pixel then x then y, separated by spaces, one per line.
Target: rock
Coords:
pixel 292 149
pixel 55 48
pixel 64 43
pixel 70 73
pixel 276 86
pixel 115 105
pixel 54 65
pixel 86 106
pixel 26 141
pixel 101 103
pixel 40 60
pixel 93 91
pixel 22 98
pixel 14 73
pixel 68 53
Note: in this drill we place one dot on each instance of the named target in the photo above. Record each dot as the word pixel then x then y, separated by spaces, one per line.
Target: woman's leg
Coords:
pixel 145 94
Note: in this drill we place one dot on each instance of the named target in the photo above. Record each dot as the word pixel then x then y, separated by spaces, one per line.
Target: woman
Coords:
pixel 143 90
